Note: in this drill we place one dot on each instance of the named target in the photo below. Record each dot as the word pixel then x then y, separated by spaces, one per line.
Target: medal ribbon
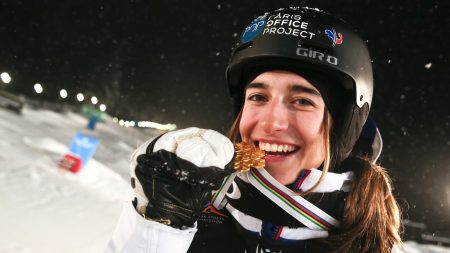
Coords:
pixel 301 209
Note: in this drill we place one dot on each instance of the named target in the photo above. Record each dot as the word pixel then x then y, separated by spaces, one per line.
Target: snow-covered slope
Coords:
pixel 47 209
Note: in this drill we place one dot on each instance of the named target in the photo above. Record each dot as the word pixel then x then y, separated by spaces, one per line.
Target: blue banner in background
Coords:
pixel 84 147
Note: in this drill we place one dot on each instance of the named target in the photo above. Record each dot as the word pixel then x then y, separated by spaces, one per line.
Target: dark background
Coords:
pixel 164 61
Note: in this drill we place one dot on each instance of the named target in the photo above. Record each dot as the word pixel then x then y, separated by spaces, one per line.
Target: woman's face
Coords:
pixel 283 114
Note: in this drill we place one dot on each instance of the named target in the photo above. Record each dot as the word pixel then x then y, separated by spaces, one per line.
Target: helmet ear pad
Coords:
pixel 370 142
pixel 346 132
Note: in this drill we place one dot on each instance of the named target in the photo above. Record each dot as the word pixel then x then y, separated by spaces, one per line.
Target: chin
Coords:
pixel 285 174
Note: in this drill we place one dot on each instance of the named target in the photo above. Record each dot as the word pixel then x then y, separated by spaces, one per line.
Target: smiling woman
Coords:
pixel 316 191
pixel 283 109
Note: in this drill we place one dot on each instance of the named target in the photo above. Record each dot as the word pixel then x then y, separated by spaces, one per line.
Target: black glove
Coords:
pixel 176 190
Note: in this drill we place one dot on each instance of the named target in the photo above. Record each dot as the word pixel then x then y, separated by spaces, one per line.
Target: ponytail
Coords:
pixel 371 220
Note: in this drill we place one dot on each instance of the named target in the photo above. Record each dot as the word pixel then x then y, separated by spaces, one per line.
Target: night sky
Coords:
pixel 165 61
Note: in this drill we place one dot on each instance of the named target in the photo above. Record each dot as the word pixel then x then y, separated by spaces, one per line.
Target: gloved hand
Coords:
pixel 174 175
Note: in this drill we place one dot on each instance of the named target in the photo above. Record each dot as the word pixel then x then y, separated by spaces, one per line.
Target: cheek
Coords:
pixel 247 123
pixel 310 126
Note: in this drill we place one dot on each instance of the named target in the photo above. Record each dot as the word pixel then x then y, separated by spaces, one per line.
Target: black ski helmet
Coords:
pixel 321 48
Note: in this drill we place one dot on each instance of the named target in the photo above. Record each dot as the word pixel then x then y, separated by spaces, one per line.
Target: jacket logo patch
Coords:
pixel 213 210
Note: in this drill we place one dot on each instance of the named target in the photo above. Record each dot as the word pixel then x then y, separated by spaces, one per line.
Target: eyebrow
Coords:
pixel 300 88
pixel 295 87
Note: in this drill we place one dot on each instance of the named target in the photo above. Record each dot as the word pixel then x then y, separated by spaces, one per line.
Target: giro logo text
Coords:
pixel 305 52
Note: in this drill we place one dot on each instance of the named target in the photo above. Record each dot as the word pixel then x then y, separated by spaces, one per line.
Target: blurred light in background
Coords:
pixel 145 124
pixel 166 127
pixel 63 93
pixel 38 88
pixel 80 97
pixel 102 107
pixel 6 78
pixel 94 100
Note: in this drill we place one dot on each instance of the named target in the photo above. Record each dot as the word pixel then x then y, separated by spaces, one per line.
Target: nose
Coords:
pixel 275 117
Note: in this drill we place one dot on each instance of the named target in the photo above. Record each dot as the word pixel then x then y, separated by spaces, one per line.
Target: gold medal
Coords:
pixel 248 156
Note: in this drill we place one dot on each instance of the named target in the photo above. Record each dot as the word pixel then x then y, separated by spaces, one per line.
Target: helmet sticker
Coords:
pixel 288 24
pixel 337 39
pixel 253 29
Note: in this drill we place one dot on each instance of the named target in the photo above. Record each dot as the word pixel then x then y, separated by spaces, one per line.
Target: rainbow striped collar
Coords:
pixel 298 207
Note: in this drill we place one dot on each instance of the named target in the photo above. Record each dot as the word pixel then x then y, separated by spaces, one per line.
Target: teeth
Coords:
pixel 275 147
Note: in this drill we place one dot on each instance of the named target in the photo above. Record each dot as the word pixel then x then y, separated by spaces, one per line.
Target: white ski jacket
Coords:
pixel 136 234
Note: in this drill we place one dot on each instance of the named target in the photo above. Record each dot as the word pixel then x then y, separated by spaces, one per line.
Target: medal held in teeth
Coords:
pixel 247 157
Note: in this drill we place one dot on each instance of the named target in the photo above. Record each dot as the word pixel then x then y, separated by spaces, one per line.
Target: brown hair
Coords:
pixel 371 218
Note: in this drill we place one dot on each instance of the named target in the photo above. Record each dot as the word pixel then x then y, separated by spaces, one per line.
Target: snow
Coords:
pixel 414 247
pixel 47 209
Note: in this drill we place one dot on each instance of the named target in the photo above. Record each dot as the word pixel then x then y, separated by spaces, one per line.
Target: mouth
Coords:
pixel 276 149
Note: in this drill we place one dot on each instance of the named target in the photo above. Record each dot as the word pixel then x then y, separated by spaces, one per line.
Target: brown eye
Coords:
pixel 256 98
pixel 303 102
